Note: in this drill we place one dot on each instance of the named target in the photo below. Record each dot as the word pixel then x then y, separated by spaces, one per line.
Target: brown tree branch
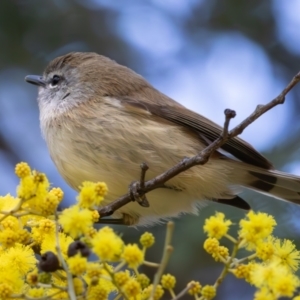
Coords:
pixel 202 157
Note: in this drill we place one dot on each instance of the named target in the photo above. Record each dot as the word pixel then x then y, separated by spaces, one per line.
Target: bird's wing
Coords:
pixel 208 130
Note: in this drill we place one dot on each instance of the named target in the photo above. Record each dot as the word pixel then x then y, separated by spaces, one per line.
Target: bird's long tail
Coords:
pixel 271 182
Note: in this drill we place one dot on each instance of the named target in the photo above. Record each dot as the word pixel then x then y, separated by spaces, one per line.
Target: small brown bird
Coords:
pixel 101 120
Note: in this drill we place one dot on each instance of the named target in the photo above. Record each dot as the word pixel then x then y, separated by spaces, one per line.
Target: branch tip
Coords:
pixel 229 113
pixel 144 167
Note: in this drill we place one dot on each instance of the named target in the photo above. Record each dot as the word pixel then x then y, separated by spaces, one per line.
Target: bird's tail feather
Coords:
pixel 273 183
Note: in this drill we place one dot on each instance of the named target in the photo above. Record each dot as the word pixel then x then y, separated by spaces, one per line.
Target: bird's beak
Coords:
pixel 35 79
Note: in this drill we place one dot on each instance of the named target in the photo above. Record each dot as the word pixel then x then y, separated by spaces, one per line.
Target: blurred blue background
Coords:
pixel 207 54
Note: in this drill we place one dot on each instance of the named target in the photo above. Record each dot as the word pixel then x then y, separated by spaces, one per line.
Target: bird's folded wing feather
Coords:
pixel 207 129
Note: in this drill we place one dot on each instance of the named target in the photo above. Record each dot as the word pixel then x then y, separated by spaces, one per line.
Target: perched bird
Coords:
pixel 101 120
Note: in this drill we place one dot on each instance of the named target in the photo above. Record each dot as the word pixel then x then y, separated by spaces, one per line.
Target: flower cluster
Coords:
pixel 49 253
pixel 270 266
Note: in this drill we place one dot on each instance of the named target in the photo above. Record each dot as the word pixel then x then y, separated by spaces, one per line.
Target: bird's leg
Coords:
pixel 136 194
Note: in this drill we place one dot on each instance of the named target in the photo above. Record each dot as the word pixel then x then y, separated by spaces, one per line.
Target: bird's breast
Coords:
pixel 108 143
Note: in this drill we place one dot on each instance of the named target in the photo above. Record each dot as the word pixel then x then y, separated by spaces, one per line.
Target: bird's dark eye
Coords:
pixel 55 80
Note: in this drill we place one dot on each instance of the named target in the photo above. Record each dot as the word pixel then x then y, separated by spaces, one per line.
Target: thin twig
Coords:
pixel 229 114
pixel 117 297
pixel 231 238
pixel 136 188
pixel 166 255
pixel 71 290
pixel 184 291
pixel 202 157
pixel 143 199
pixel 150 264
pixel 261 109
pixel 24 296
pixel 241 260
pixel 144 168
pixel 112 278
pixel 226 266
